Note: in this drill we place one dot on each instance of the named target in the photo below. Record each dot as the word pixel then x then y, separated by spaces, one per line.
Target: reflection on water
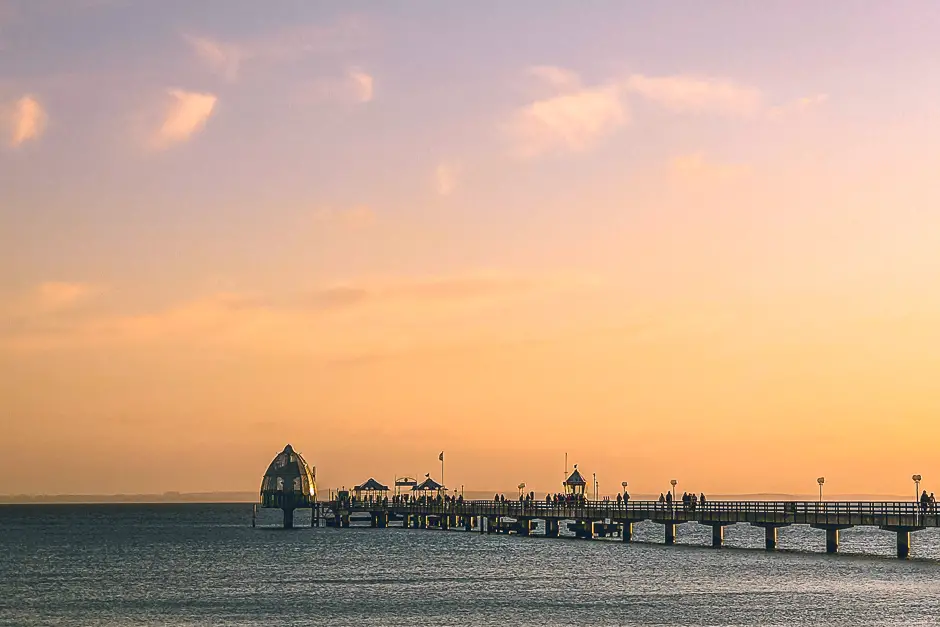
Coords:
pixel 176 565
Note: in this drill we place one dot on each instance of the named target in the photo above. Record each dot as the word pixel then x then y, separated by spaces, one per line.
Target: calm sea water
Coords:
pixel 200 565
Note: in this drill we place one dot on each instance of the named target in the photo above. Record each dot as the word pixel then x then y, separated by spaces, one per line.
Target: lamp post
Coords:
pixel 821 481
pixel 624 485
pixel 595 486
pixel 674 483
pixel 521 488
pixel 916 479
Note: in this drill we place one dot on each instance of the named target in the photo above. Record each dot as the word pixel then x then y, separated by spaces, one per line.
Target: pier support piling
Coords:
pixel 770 538
pixel 288 518
pixel 832 535
pixel 904 544
pixel 904 539
pixel 718 536
pixel 670 533
pixel 551 527
pixel 832 540
pixel 626 531
pixel 770 534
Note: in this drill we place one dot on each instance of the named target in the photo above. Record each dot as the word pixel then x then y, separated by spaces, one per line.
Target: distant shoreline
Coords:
pixel 252 497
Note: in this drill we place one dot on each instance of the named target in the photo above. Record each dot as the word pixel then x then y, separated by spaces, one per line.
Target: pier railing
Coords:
pixel 883 513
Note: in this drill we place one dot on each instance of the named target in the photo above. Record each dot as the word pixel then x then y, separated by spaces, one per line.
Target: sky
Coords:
pixel 672 240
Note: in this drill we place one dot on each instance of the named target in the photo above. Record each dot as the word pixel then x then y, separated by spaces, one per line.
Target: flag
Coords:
pixel 441 456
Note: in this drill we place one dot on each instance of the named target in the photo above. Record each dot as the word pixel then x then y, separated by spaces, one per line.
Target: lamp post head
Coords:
pixel 624 484
pixel 916 478
pixel 821 480
pixel 673 482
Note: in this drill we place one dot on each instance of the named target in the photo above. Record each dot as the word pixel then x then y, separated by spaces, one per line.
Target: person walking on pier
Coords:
pixel 662 499
pixel 924 501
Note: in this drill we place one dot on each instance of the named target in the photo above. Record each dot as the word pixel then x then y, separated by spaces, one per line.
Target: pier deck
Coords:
pixel 590 519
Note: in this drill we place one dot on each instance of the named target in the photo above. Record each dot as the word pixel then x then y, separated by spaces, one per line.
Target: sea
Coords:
pixel 199 565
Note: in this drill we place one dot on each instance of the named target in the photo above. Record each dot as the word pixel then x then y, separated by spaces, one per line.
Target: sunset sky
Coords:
pixel 686 239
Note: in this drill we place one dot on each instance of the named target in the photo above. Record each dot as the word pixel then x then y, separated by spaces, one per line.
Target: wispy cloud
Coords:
pixel 331 321
pixel 354 218
pixel 185 115
pixel 691 94
pixel 362 85
pixel 697 167
pixel 445 178
pixel 356 86
pixel 57 295
pixel 44 299
pixel 574 121
pixel 230 59
pixel 798 106
pixel 578 117
pixel 223 59
pixel 556 77
pixel 26 120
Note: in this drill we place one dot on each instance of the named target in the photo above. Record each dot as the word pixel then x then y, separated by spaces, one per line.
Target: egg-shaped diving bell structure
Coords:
pixel 289 484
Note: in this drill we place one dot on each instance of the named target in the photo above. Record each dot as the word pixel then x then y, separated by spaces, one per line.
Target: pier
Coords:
pixel 593 519
pixel 289 484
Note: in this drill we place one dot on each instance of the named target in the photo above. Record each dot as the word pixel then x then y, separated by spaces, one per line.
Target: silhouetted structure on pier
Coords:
pixel 289 484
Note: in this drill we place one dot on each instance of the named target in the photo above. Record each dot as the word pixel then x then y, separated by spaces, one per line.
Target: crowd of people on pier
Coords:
pixel 689 500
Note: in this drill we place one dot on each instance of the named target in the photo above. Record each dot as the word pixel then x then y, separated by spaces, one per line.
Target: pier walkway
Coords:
pixel 589 519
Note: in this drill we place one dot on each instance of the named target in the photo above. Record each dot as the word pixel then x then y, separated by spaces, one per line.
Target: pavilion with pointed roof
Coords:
pixel 371 490
pixel 429 487
pixel 575 483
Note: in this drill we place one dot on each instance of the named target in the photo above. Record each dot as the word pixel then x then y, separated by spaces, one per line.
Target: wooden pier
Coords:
pixel 290 484
pixel 591 519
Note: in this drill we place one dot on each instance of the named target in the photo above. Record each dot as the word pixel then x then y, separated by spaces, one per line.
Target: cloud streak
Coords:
pixel 690 94
pixel 332 321
pixel 445 178
pixel 578 118
pixel 697 168
pixel 231 59
pixel 353 218
pixel 222 59
pixel 186 115
pixel 26 120
pixel 362 85
pixel 574 121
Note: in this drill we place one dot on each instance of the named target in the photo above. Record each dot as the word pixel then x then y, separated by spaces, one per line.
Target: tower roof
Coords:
pixel 428 484
pixel 575 478
pixel 372 484
pixel 288 473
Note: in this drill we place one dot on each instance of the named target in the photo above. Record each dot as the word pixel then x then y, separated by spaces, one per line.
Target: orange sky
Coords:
pixel 685 263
